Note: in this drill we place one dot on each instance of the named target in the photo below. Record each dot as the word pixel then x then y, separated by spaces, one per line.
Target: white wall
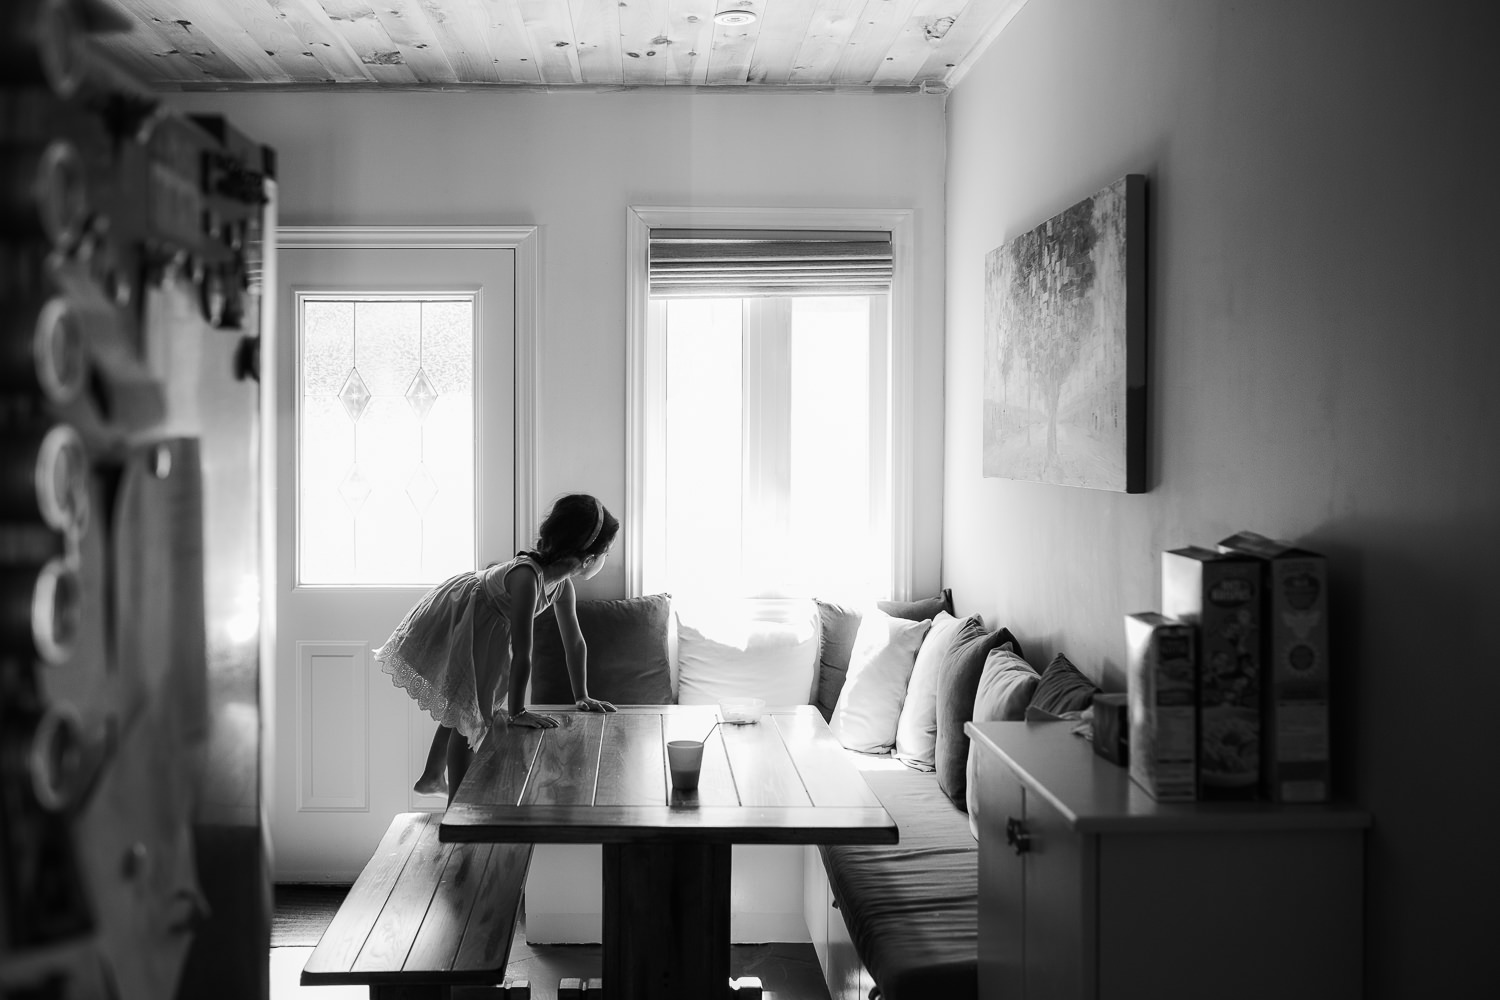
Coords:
pixel 1323 363
pixel 571 164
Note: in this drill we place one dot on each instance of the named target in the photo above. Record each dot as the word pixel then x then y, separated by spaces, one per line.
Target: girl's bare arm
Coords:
pixel 575 650
pixel 522 587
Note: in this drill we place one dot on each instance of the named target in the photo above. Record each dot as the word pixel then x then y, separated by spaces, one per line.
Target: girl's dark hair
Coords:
pixel 568 529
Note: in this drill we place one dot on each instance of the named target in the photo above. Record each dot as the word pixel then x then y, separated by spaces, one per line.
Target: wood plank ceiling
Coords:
pixel 899 45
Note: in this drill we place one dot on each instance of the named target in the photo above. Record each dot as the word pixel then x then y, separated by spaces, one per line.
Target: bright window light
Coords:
pixel 768 454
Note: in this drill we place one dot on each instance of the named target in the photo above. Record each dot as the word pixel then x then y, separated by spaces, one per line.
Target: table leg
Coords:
pixel 666 921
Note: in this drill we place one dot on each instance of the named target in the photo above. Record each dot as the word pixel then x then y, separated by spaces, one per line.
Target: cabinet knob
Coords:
pixel 1016 835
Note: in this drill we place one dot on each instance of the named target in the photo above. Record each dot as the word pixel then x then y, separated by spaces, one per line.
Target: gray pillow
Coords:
pixel 1006 686
pixel 1005 690
pixel 1063 688
pixel 627 663
pixel 837 627
pixel 958 682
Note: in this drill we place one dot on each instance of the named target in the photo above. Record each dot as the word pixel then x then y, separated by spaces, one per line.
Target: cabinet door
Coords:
pixel 1060 903
pixel 1253 914
pixel 1002 925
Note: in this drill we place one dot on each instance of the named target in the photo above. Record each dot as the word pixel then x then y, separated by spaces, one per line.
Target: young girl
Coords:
pixel 467 643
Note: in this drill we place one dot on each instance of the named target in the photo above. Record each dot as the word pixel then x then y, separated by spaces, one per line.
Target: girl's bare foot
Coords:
pixel 429 784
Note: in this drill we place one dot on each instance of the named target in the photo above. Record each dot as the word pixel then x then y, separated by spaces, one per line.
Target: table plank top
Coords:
pixel 602 778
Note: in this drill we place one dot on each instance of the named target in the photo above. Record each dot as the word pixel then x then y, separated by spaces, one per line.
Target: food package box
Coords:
pixel 1219 592
pixel 1162 704
pixel 1295 609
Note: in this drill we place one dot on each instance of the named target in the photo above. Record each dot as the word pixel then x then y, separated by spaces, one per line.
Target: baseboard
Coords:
pixel 763 928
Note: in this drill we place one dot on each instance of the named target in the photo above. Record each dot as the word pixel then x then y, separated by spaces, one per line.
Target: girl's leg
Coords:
pixel 432 781
pixel 459 758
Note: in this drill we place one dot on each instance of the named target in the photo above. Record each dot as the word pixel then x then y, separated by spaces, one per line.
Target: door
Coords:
pixel 1002 885
pixel 1058 875
pixel 395 468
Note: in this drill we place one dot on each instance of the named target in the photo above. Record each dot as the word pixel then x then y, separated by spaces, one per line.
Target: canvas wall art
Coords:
pixel 1065 332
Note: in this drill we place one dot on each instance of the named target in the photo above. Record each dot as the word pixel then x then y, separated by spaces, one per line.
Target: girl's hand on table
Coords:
pixel 594 705
pixel 531 720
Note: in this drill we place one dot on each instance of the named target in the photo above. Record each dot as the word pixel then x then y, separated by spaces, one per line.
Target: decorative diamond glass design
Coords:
pixel 355 490
pixel 355 396
pixel 385 438
pixel 420 395
pixel 421 490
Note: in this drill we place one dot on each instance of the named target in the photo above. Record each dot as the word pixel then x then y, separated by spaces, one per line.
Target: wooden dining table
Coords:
pixel 603 779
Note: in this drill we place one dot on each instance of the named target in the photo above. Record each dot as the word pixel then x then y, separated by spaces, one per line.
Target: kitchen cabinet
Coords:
pixel 1089 889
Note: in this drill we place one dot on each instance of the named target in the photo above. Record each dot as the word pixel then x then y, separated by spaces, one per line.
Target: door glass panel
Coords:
pixel 385 438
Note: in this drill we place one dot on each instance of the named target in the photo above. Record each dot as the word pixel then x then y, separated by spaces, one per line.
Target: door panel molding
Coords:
pixel 333 696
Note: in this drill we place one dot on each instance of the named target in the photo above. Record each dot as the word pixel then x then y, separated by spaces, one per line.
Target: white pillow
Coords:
pixel 916 729
pixel 880 664
pixel 747 649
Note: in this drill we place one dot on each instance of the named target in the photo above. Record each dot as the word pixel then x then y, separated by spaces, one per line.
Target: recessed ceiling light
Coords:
pixel 735 18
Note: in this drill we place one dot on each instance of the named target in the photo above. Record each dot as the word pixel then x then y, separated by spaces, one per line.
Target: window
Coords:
pixel 765 439
pixel 385 438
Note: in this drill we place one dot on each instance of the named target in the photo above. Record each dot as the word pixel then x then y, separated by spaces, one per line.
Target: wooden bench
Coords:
pixel 425 919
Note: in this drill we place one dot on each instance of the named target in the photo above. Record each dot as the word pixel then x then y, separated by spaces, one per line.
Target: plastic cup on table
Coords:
pixel 685 760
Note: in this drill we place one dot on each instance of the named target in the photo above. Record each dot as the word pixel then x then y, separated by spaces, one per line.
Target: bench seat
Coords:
pixel 424 917
pixel 912 908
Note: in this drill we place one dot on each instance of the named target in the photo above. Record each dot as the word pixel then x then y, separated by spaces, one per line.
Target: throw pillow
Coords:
pixel 1006 686
pixel 958 682
pixel 1034 714
pixel 919 610
pixel 627 653
pixel 880 665
pixel 916 729
pixel 837 626
pixel 763 648
pixel 1063 688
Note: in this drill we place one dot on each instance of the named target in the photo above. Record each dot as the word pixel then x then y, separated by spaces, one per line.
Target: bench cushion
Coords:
pixel 913 908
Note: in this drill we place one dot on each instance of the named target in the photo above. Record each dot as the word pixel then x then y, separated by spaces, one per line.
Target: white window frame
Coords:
pixel 641 382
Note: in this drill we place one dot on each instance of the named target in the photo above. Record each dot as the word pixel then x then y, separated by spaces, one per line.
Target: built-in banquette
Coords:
pixel 896 682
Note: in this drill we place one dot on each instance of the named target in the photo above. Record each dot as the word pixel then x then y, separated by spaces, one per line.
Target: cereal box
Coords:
pixel 1295 609
pixel 1220 594
pixel 1161 694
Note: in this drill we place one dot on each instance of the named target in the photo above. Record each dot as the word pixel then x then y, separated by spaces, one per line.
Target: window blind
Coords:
pixel 716 264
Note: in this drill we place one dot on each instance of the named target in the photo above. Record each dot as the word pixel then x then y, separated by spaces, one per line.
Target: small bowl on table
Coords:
pixel 741 711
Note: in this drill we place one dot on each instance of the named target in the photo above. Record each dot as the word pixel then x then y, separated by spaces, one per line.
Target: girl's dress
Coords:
pixel 452 651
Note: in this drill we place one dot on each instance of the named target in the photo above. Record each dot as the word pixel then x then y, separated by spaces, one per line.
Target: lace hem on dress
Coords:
pixel 428 698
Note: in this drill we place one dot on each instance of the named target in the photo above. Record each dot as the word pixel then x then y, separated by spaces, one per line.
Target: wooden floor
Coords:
pixel 789 970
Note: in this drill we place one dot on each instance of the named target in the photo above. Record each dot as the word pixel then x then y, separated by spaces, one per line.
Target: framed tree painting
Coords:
pixel 1065 346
